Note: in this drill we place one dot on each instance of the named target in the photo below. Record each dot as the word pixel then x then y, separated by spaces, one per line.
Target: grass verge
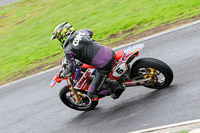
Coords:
pixel 26 26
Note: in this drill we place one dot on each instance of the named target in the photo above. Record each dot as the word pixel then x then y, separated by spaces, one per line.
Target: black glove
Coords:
pixel 64 73
pixel 60 75
pixel 78 64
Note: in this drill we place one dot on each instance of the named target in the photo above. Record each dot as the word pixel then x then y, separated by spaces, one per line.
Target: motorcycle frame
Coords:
pixel 128 55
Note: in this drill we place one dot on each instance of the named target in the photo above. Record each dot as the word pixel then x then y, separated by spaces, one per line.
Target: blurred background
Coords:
pixel 27 25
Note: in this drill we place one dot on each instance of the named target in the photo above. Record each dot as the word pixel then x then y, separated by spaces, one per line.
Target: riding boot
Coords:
pixel 104 92
pixel 117 91
pixel 95 87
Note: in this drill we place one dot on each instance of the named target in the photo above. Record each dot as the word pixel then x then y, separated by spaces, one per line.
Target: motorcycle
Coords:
pixel 149 72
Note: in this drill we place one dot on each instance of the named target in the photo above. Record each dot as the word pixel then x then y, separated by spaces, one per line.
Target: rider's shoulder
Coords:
pixel 85 31
pixel 79 32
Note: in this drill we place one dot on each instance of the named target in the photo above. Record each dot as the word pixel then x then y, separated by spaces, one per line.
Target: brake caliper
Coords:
pixel 152 75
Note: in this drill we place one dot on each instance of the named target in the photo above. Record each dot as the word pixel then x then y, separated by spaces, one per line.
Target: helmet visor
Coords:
pixel 53 37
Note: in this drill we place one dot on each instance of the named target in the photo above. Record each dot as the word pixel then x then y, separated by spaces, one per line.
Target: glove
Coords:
pixel 78 64
pixel 60 75
pixel 67 73
pixel 64 73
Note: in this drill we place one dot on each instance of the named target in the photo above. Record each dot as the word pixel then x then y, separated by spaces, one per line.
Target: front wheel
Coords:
pixel 158 74
pixel 68 98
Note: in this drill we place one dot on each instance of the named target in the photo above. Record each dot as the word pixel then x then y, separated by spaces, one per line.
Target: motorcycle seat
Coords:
pixel 118 55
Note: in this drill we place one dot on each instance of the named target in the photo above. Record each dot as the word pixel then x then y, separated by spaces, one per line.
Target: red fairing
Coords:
pixel 85 87
pixel 118 55
pixel 57 79
pixel 87 66
pixel 137 54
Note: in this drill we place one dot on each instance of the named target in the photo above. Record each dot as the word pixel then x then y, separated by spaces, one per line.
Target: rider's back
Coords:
pixel 87 50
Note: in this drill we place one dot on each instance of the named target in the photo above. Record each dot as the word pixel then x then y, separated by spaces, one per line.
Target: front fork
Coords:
pixel 77 98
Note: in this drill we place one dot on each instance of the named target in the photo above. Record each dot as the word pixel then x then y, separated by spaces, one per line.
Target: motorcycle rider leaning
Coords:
pixel 80 45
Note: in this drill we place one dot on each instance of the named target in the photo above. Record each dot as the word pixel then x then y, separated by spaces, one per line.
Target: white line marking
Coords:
pixel 167 126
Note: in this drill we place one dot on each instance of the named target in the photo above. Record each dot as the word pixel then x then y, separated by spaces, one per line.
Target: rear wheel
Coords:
pixel 158 74
pixel 68 98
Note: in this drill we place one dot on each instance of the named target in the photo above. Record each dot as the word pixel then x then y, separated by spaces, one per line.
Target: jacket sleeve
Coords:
pixel 70 60
pixel 90 32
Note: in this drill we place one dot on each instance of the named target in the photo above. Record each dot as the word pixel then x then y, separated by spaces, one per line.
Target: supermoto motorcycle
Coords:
pixel 149 72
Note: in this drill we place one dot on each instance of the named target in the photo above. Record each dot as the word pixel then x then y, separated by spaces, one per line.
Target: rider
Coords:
pixel 80 45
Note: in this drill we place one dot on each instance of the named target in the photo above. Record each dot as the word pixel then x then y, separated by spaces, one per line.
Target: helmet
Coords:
pixel 62 32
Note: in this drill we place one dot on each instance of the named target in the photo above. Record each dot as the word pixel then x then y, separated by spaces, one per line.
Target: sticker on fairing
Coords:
pixel 84 78
pixel 53 82
pixel 132 50
pixel 120 69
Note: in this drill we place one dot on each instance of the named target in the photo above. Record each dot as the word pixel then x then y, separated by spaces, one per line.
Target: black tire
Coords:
pixel 156 64
pixel 69 103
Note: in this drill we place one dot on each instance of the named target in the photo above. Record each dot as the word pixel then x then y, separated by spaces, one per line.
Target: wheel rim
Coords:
pixel 85 101
pixel 156 77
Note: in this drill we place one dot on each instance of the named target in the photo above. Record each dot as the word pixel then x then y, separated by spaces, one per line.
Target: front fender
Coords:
pixel 56 79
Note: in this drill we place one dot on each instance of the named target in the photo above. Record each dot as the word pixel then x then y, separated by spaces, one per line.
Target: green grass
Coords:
pixel 182 132
pixel 26 26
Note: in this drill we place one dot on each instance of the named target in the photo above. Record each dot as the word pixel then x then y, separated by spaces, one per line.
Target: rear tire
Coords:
pixel 146 64
pixel 68 100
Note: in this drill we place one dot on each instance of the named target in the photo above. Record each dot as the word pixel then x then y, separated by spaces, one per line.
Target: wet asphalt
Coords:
pixel 31 106
pixel 7 2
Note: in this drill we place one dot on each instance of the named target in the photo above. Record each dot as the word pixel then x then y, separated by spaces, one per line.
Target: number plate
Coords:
pixel 119 69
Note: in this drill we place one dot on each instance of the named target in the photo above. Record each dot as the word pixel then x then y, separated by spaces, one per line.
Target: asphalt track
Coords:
pixel 30 105
pixel 7 2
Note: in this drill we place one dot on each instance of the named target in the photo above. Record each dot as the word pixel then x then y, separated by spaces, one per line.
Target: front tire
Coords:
pixel 160 73
pixel 68 99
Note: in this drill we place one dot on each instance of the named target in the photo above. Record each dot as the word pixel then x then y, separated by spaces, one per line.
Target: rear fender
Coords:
pixel 129 52
pixel 121 66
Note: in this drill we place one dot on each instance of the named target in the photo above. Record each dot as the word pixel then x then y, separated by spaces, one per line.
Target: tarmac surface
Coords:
pixel 189 126
pixel 30 105
pixel 7 2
